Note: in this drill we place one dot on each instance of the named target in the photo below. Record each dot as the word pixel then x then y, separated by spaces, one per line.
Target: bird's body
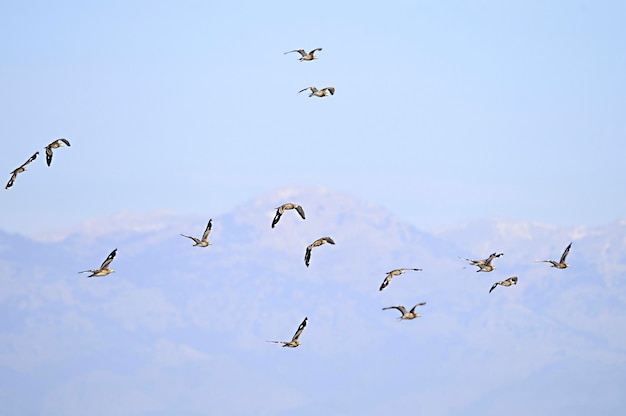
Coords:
pixel 284 207
pixel 19 170
pixel 484 265
pixel 54 145
pixel 407 315
pixel 295 339
pixel 104 268
pixel 304 55
pixel 508 282
pixel 316 243
pixel 561 263
pixel 319 93
pixel 204 242
pixel 392 274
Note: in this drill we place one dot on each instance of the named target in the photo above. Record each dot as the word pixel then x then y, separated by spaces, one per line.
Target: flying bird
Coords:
pixel 406 315
pixel 20 170
pixel 508 282
pixel 104 269
pixel 284 207
pixel 294 341
pixel 484 265
pixel 316 243
pixel 54 145
pixel 305 56
pixel 561 263
pixel 392 274
pixel 319 93
pixel 204 242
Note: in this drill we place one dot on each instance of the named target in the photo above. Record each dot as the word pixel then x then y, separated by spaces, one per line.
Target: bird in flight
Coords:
pixel 508 282
pixel 407 315
pixel 284 207
pixel 484 265
pixel 392 274
pixel 104 269
pixel 205 237
pixel 294 341
pixel 305 56
pixel 54 145
pixel 319 93
pixel 316 243
pixel 20 170
pixel 561 263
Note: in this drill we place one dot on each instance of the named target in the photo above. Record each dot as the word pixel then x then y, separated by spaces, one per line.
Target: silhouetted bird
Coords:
pixel 316 243
pixel 392 274
pixel 54 145
pixel 406 315
pixel 508 282
pixel 305 56
pixel 204 242
pixel 104 269
pixel 20 170
pixel 294 341
pixel 319 93
pixel 284 207
pixel 561 263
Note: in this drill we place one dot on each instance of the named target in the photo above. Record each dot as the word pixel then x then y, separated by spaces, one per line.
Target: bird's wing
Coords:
pixel 108 260
pixel 300 51
pixel 494 286
pixel 207 231
pixel 416 305
pixel 300 211
pixel 30 159
pixel 11 180
pixel 386 281
pixel 328 240
pixel 276 217
pixel 489 259
pixel 300 329
pixel 307 255
pixel 48 155
pixel 67 143
pixel 401 308
pixel 565 253
pixel 196 240
pixel 313 89
pixel 315 50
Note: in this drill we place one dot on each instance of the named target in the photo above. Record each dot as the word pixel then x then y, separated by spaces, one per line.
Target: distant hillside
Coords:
pixel 201 316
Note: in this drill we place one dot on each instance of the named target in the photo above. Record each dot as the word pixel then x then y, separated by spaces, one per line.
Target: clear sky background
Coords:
pixel 444 111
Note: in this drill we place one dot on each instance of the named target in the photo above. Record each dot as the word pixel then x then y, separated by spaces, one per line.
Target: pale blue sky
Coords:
pixel 444 111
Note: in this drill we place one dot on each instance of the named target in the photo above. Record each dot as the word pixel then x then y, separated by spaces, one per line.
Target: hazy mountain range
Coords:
pixel 181 330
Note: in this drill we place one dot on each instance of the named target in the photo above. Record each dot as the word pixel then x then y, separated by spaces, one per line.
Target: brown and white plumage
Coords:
pixel 54 145
pixel 392 274
pixel 561 263
pixel 316 243
pixel 319 93
pixel 484 265
pixel 295 340
pixel 407 315
pixel 204 242
pixel 305 56
pixel 284 207
pixel 21 169
pixel 508 282
pixel 104 268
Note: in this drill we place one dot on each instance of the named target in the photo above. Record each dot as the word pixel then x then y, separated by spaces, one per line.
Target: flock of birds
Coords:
pixel 54 145
pixel 484 265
